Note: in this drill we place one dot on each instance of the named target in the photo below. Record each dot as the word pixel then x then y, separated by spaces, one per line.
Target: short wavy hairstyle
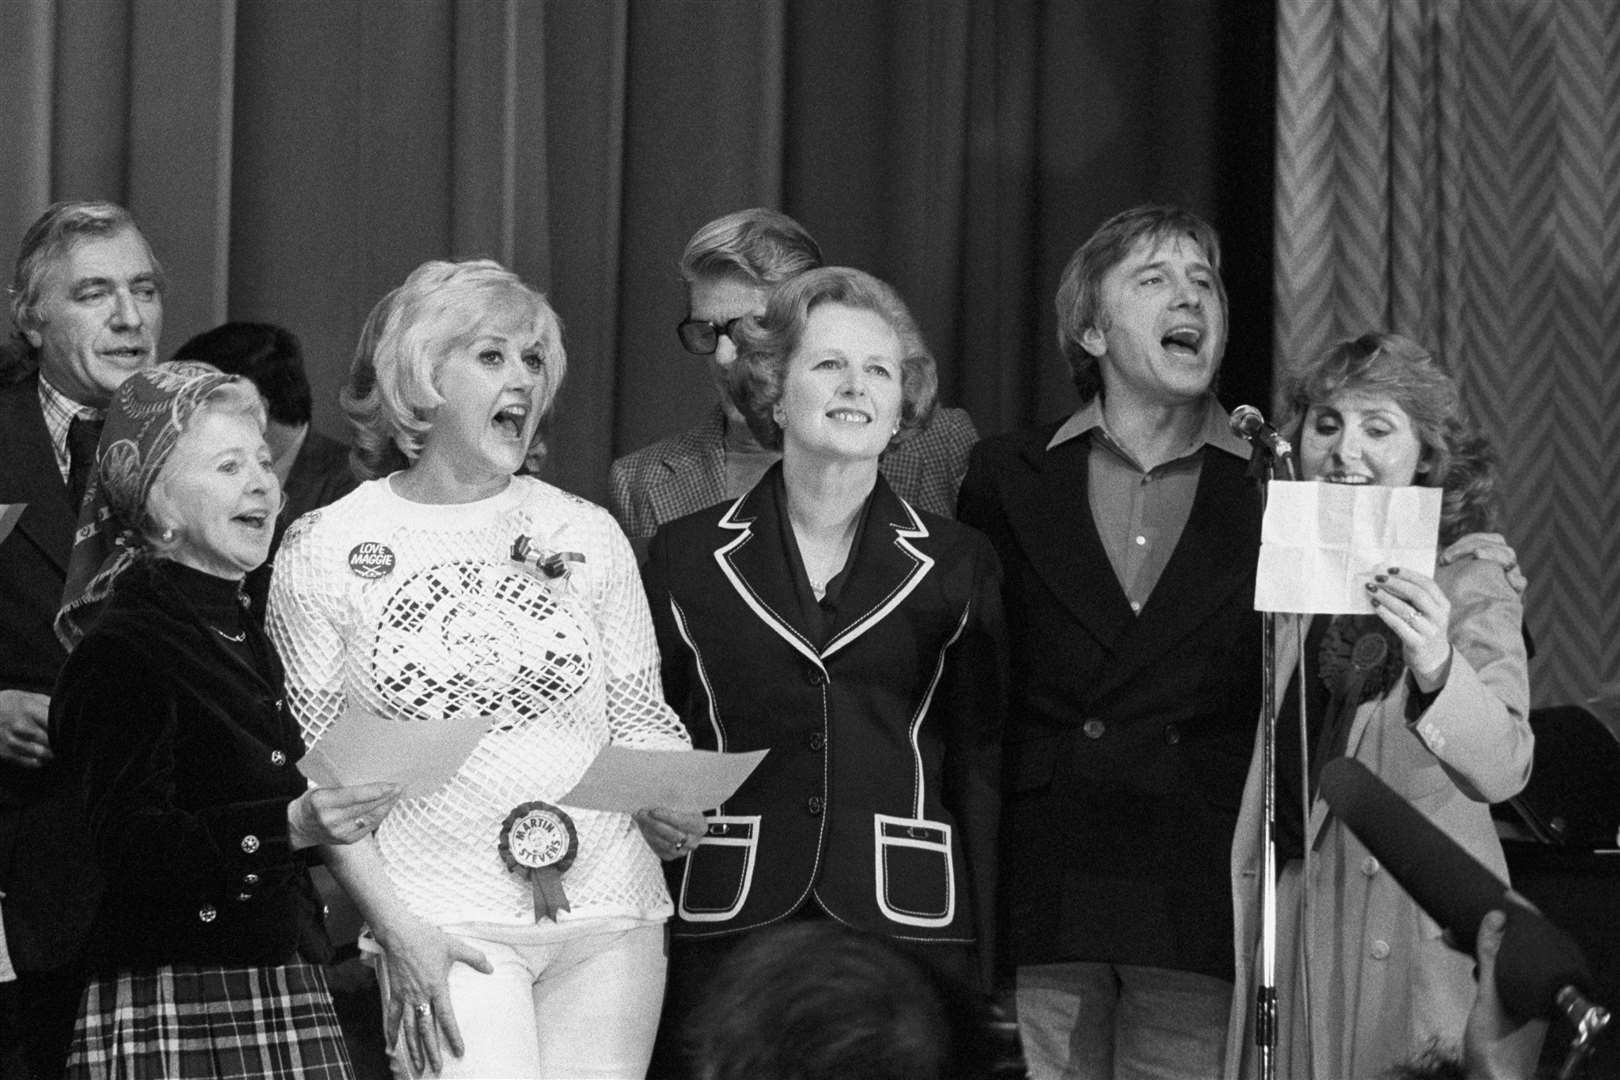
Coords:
pixel 1079 295
pixel 48 240
pixel 392 390
pixel 1460 460
pixel 760 246
pixel 766 344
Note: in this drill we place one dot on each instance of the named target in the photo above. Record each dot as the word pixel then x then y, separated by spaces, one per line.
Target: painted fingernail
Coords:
pixel 1380 577
pixel 1371 587
pixel 1394 569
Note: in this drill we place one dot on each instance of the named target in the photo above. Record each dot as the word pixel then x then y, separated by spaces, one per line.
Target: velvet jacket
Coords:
pixel 186 758
pixel 878 797
pixel 1128 734
pixel 684 473
pixel 40 852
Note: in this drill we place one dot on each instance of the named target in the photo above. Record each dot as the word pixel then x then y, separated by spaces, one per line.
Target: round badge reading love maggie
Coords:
pixel 371 560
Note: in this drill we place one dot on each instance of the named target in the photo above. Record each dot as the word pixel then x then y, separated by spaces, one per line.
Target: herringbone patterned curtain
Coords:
pixel 1450 169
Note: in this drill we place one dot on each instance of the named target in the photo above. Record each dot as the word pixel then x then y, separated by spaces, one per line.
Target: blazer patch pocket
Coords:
pixel 915 875
pixel 720 870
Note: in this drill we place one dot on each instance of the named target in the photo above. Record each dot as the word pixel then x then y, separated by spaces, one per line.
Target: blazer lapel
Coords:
pixel 750 558
pixel 1049 511
pixel 1202 571
pixel 692 474
pixel 32 475
pixel 888 566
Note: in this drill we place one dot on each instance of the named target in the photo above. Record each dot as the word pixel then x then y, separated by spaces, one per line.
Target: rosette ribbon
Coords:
pixel 1360 659
pixel 539 841
pixel 550 564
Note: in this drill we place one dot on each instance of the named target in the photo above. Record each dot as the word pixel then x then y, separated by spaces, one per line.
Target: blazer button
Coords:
pixel 250 843
pixel 815 676
pixel 813 804
pixel 1172 734
pixel 716 828
pixel 816 742
pixel 277 758
pixel 1369 866
pixel 207 913
pixel 280 704
pixel 250 879
pixel 244 897
pixel 1380 950
pixel 1094 728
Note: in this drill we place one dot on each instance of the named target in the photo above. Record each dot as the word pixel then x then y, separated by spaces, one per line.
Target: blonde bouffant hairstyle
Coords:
pixel 392 390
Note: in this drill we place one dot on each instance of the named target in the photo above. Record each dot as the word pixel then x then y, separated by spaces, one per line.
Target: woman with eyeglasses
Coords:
pixel 853 635
pixel 730 267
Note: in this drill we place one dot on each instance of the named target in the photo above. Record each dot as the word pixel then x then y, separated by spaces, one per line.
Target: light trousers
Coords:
pixel 580 1006
pixel 1093 1021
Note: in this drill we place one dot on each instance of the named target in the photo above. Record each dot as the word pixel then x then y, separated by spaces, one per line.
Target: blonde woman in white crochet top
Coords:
pixel 405 599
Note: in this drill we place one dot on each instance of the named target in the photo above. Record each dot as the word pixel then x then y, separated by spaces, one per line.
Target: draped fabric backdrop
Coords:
pixel 292 160
pixel 1451 170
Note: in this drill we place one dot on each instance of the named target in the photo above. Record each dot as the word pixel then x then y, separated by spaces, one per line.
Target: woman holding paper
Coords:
pixel 204 951
pixel 858 639
pixel 1429 690
pixel 515 936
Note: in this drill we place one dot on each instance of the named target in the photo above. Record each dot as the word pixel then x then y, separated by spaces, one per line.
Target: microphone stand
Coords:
pixel 1279 464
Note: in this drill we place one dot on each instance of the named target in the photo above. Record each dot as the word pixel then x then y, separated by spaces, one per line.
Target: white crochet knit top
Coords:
pixel 418 612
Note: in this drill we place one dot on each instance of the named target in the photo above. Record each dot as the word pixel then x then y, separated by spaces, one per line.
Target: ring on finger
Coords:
pixel 423 1009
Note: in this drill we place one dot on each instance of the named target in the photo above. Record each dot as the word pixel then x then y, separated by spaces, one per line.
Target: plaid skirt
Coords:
pixel 196 1020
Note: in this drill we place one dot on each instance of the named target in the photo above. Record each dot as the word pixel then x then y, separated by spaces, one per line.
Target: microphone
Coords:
pixel 1540 971
pixel 1247 422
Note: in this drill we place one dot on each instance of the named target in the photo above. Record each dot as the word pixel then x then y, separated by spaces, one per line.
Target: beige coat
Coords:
pixel 1383 985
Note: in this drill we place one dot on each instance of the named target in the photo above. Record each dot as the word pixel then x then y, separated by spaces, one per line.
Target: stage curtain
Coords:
pixel 1449 170
pixel 293 159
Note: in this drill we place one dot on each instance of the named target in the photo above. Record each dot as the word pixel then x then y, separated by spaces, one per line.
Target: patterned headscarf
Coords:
pixel 147 416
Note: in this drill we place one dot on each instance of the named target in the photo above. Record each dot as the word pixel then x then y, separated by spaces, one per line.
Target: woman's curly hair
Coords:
pixel 1459 459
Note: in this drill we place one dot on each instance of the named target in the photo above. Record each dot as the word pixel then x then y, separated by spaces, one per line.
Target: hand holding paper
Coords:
pixel 1320 544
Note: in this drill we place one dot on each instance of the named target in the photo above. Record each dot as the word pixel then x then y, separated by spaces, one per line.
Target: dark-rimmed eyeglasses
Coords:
pixel 700 337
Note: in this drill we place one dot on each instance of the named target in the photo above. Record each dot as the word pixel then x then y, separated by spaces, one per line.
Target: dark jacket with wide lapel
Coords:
pixel 37 848
pixel 34 557
pixel 879 793
pixel 1127 734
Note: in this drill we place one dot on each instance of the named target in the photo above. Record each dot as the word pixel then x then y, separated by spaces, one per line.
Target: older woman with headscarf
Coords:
pixel 523 936
pixel 1429 691
pixel 170 712
pixel 857 638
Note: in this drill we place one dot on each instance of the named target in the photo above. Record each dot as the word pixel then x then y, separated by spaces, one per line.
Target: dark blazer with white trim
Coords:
pixel 878 799
pixel 1128 735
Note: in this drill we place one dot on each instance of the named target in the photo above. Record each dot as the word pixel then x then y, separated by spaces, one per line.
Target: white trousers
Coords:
pixel 576 1007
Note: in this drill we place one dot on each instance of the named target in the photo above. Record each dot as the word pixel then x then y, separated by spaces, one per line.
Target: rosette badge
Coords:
pixel 539 841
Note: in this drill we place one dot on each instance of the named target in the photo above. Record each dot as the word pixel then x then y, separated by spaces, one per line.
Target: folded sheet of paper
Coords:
pixel 627 780
pixel 361 747
pixel 1321 543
